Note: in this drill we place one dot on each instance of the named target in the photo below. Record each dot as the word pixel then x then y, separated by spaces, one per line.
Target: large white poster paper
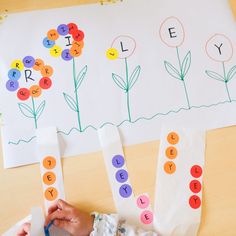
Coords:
pixel 132 64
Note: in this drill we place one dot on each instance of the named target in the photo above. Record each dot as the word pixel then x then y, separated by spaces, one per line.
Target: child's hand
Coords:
pixel 25 230
pixel 70 219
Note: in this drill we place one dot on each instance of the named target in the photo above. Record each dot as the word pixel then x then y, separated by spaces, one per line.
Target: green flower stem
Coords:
pixel 226 82
pixel 127 91
pixel 182 77
pixel 76 96
pixel 34 114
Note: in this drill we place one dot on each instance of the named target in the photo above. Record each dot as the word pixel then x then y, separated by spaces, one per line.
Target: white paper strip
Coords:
pixel 37 222
pixel 50 164
pixel 179 182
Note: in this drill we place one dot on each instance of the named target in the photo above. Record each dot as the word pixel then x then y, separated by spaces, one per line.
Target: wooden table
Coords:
pixel 86 183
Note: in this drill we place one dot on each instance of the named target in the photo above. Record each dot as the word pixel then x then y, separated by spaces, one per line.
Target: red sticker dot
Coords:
pixel 147 217
pixel 196 171
pixel 72 27
pixel 23 94
pixel 195 202
pixel 45 83
pixel 195 186
pixel 78 35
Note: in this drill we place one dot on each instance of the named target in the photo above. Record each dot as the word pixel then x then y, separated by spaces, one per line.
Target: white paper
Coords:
pixel 156 97
pixel 175 214
pixel 135 210
pixel 37 222
pixel 48 152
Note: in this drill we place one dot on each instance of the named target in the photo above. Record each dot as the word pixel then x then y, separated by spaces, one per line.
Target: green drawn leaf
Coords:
pixel 232 73
pixel 172 70
pixel 134 77
pixel 70 101
pixel 215 75
pixel 40 109
pixel 186 64
pixel 80 77
pixel 119 81
pixel 26 110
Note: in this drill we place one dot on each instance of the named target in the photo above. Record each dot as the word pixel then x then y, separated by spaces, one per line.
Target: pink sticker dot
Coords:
pixel 147 217
pixel 143 202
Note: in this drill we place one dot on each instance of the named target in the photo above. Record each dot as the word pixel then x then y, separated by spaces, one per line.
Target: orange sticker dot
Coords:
pixel 49 178
pixel 171 152
pixel 77 44
pixel 170 167
pixel 173 138
pixel 52 35
pixel 35 91
pixel 49 162
pixel 47 71
pixel 38 65
pixel 195 202
pixel 51 194
pixel 75 51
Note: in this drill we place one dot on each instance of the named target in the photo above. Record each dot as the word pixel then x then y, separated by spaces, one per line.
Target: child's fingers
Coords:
pixel 60 214
pixel 25 230
pixel 65 225
pixel 59 204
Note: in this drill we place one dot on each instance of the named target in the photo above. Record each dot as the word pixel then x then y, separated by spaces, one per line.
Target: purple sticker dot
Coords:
pixel 125 191
pixel 12 85
pixel 48 43
pixel 14 74
pixel 118 161
pixel 121 176
pixel 63 29
pixel 29 61
pixel 66 55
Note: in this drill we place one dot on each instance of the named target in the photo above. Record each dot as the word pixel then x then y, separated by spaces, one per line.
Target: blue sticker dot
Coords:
pixel 28 61
pixel 121 176
pixel 118 161
pixel 14 74
pixel 12 85
pixel 48 43
pixel 63 29
pixel 125 191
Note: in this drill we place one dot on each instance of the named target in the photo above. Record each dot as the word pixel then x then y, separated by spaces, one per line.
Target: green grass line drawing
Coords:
pixel 225 78
pixel 127 84
pixel 180 74
pixel 73 103
pixel 32 112
pixel 128 122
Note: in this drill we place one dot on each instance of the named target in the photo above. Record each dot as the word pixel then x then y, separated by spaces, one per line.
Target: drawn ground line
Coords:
pixel 125 121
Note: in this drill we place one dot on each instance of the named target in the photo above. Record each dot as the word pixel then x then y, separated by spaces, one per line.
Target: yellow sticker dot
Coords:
pixel 55 51
pixel 112 54
pixel 17 64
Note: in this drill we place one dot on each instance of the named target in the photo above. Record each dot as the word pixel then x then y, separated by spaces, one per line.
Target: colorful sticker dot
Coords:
pixel 112 54
pixel 55 51
pixel 170 167
pixel 79 44
pixel 125 191
pixel 63 29
pixel 173 138
pixel 121 176
pixel 195 202
pixel 195 186
pixel 78 35
pixel 45 83
pixel 72 27
pixel 147 217
pixel 52 35
pixel 143 202
pixel 48 43
pixel 49 178
pixel 14 74
pixel 118 161
pixel 17 64
pixel 51 194
pixel 23 94
pixel 171 152
pixel 49 162
pixel 38 65
pixel 47 71
pixel 28 61
pixel 12 85
pixel 66 55
pixel 196 171
pixel 75 51
pixel 35 91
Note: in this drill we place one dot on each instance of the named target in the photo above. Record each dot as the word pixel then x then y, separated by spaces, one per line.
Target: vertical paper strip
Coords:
pixel 50 164
pixel 37 222
pixel 179 182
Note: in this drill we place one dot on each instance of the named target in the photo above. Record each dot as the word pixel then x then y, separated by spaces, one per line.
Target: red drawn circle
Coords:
pixel 195 202
pixel 196 171
pixel 195 186
pixel 45 83
pixel 23 94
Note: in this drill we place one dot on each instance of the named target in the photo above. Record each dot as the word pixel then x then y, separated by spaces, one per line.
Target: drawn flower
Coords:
pixel 25 69
pixel 123 47
pixel 220 49
pixel 67 42
pixel 172 34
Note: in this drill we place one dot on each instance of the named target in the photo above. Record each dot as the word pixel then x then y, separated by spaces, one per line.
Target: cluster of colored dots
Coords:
pixel 121 176
pixel 143 203
pixel 73 41
pixel 24 69
pixel 171 153
pixel 195 186
pixel 49 178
